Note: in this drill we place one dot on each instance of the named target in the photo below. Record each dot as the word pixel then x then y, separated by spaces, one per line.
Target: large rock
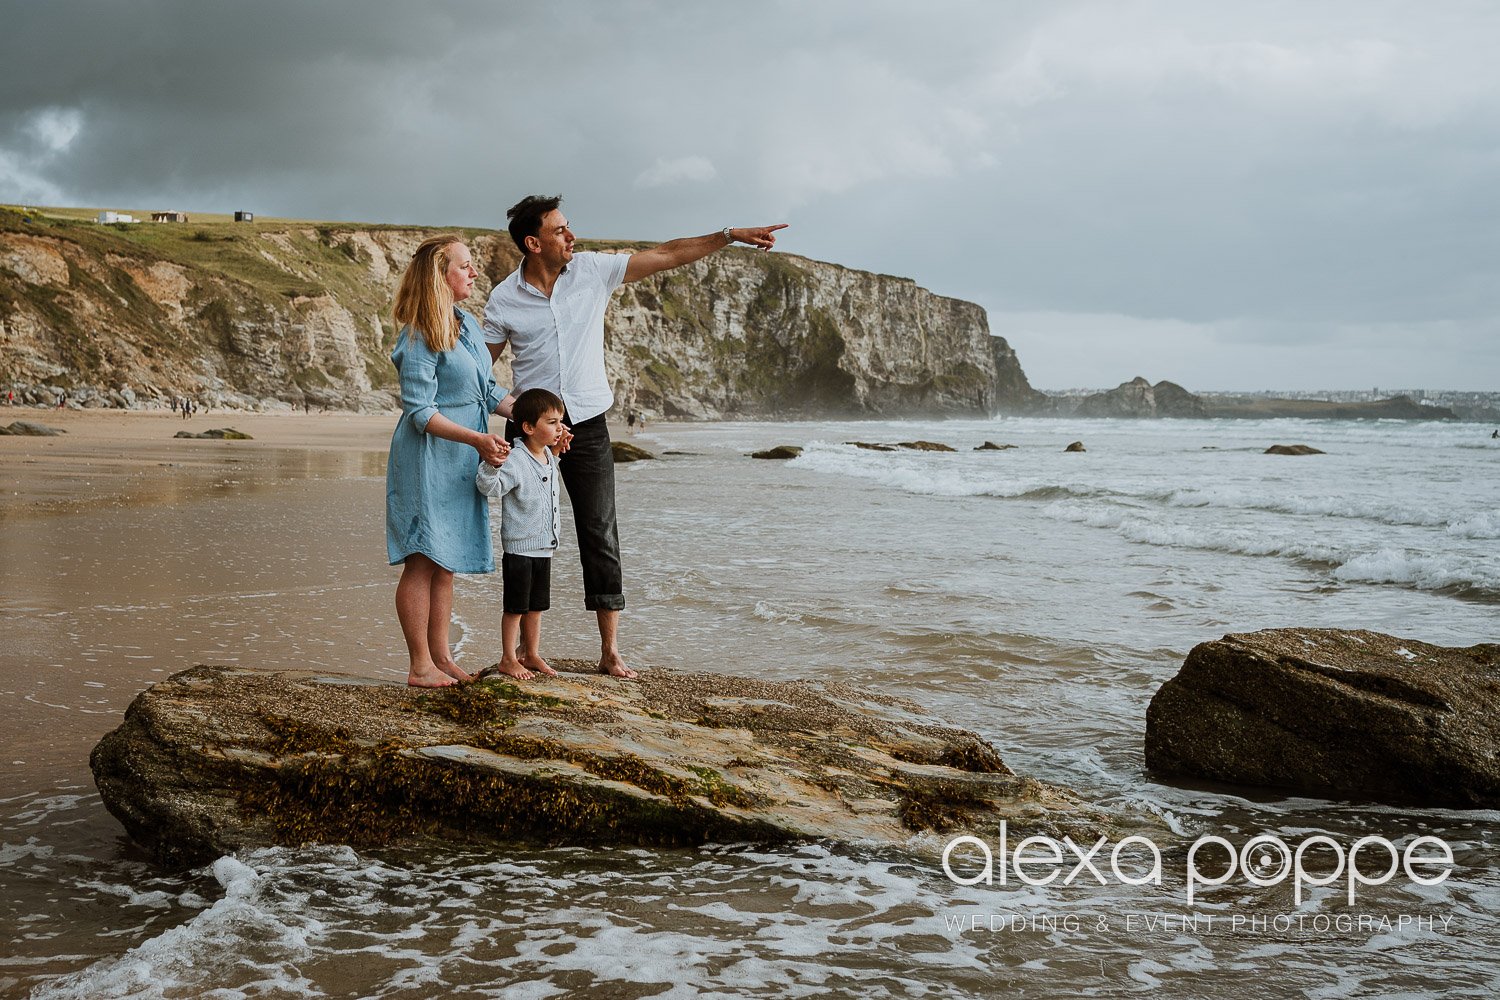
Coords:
pixel 216 758
pixel 1340 714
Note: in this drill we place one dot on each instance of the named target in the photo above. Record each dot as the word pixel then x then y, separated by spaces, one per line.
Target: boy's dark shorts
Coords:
pixel 528 583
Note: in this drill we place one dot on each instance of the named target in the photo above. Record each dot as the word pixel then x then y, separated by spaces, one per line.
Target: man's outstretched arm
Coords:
pixel 691 248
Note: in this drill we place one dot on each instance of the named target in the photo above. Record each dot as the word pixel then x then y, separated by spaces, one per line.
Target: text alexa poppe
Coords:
pixel 1262 861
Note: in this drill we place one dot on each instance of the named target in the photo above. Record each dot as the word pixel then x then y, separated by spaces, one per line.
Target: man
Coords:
pixel 551 312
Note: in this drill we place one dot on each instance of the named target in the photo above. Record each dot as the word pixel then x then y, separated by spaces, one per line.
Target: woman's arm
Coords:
pixel 491 447
pixel 419 401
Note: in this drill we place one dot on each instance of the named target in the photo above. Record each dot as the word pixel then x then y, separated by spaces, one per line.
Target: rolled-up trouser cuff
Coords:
pixel 604 602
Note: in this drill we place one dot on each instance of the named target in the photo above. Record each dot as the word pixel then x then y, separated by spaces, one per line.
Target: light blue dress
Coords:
pixel 431 505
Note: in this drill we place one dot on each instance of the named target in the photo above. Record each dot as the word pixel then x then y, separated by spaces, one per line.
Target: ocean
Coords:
pixel 1037 597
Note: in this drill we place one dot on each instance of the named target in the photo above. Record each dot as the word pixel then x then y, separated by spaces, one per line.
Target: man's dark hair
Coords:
pixel 526 217
pixel 534 404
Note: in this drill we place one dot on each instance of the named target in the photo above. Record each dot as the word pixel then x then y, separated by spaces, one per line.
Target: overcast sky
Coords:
pixel 1229 195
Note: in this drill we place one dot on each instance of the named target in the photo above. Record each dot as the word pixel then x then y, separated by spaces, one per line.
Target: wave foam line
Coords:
pixel 179 961
pixel 1484 524
pixel 1421 570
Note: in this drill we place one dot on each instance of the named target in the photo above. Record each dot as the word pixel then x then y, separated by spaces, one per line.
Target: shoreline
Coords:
pixel 113 457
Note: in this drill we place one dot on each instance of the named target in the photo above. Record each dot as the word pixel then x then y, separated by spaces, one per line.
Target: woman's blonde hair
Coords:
pixel 424 302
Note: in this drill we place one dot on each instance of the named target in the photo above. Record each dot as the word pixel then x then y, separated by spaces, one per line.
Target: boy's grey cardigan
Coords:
pixel 529 517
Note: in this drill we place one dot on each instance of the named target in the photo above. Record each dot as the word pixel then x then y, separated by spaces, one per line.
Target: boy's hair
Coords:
pixel 532 405
pixel 526 217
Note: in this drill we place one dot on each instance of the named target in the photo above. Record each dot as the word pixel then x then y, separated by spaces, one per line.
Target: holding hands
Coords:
pixel 492 448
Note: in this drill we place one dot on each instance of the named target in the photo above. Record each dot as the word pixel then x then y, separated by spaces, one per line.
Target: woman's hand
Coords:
pixel 492 448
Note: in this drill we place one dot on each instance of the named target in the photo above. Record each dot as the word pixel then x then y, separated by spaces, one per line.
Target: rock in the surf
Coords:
pixel 624 451
pixel 1334 713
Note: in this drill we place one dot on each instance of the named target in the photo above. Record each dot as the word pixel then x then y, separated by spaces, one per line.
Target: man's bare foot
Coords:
pixel 432 678
pixel 612 664
pixel 453 670
pixel 534 662
pixel 511 667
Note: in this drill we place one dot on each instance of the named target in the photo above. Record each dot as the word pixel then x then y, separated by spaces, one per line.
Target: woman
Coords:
pixel 436 522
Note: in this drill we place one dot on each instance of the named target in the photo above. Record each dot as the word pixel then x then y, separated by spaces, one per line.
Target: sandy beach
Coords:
pixel 110 457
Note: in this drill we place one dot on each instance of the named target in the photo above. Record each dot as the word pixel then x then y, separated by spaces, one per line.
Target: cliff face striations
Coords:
pixel 270 315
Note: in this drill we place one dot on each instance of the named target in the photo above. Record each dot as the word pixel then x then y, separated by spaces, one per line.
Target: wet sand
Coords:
pixel 113 457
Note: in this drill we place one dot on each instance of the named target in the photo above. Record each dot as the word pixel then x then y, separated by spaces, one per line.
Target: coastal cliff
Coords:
pixel 275 315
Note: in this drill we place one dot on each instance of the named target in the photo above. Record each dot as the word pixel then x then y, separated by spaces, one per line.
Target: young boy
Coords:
pixel 527 484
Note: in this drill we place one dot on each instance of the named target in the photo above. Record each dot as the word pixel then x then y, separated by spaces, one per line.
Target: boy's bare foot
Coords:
pixel 433 678
pixel 533 662
pixel 452 669
pixel 511 667
pixel 612 664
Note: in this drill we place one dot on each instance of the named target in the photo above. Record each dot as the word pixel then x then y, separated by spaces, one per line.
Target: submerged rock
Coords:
pixel 992 446
pixel 871 446
pixel 1075 446
pixel 28 428
pixel 1340 714
pixel 925 446
pixel 216 758
pixel 780 451
pixel 626 452
pixel 217 434
pixel 1292 449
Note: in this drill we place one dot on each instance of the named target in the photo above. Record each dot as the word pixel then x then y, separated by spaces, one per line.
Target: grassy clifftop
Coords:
pixel 282 313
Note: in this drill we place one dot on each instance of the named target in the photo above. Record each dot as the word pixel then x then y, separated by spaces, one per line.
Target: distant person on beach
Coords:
pixel 551 312
pixel 174 404
pixel 436 523
pixel 527 486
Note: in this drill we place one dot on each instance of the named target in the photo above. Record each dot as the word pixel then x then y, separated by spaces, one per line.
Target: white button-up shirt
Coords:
pixel 557 343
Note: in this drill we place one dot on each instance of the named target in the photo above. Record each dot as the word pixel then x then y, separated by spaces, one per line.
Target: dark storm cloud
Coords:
pixel 1212 193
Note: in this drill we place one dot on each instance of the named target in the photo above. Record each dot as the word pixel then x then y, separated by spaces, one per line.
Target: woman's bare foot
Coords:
pixel 452 669
pixel 429 678
pixel 511 667
pixel 533 661
pixel 612 664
